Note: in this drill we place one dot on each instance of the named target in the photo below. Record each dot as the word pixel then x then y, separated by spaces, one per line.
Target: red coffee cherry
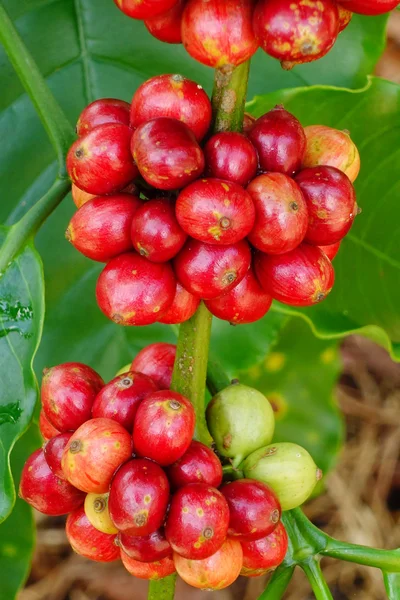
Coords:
pixel 280 141
pixel 79 196
pixel 53 451
pixel 148 548
pixel 101 161
pixel 369 7
pixel 182 308
pixel 172 96
pixel 345 17
pixel 197 521
pixel 215 211
pixel 100 112
pixel 208 271
pixel 301 277
pixel 331 147
pixel 331 250
pixel 281 213
pixel 144 9
pixel 230 155
pixel 47 430
pixel 156 361
pixel 46 492
pixel 88 541
pixel 148 570
pixel 166 26
pixel 219 34
pixel 94 453
pixel 139 497
pixel 199 464
pixel 133 291
pixel 67 394
pixel 265 554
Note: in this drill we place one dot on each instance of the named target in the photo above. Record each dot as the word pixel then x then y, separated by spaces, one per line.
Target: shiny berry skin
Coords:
pixel 156 361
pixel 172 96
pixel 156 233
pixel 88 541
pixel 369 7
pixel 215 211
pixel 144 9
pixel 101 228
pixel 345 17
pixel 101 161
pixel 280 141
pixel 67 394
pixel 333 148
pixel 301 277
pixel 331 204
pixel 120 398
pixel 215 572
pixel 133 291
pixel 148 548
pixel 265 554
pixel 296 31
pixel 281 213
pixel 164 427
pixel 182 308
pixel 208 271
pixel 199 464
pixel 47 430
pixel 53 451
pixel 230 155
pixel 94 453
pixel 166 153
pixel 166 27
pixel 148 570
pixel 331 250
pixel 197 521
pixel 139 497
pixel 217 33
pixel 79 196
pixel 100 112
pixel 46 492
pixel 96 510
pixel 247 302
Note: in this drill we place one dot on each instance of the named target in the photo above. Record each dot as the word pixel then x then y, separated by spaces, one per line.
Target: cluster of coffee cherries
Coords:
pixel 120 461
pixel 245 218
pixel 225 33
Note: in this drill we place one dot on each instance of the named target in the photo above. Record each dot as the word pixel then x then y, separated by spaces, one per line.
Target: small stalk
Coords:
pixel 312 569
pixel 278 583
pixel 229 97
pixel 386 560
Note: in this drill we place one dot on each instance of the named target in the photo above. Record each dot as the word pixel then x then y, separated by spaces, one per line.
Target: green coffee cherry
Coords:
pixel 287 468
pixel 240 420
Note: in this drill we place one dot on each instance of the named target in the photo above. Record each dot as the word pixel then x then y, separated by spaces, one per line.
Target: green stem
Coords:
pixel 229 97
pixel 317 580
pixel 278 583
pixel 392 585
pixel 387 560
pixel 162 589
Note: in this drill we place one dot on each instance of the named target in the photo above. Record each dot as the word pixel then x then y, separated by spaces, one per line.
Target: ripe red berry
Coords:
pixel 199 464
pixel 369 7
pixel 215 211
pixel 144 9
pixel 148 570
pixel 101 229
pixel 217 33
pixel 197 521
pixel 94 453
pixel 230 155
pixel 265 554
pixel 148 548
pixel 46 492
pixel 166 153
pixel 156 233
pixel 139 497
pixel 46 428
pixel 67 393
pixel 279 140
pixel 79 196
pixel 345 17
pixel 182 308
pixel 172 96
pixel 331 204
pixel 245 303
pixel 166 27
pixel 88 541
pixel 281 213
pixel 100 112
pixel 301 277
pixel 156 361
pixel 333 148
pixel 53 451
pixel 331 250
pixel 164 427
pixel 134 291
pixel 208 271
pixel 101 161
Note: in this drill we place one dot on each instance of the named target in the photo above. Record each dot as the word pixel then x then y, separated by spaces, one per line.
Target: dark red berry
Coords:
pixel 144 9
pixel 156 361
pixel 199 464
pixel 148 548
pixel 53 451
pixel 230 155
pixel 331 250
pixel 148 570
pixel 88 541
pixel 166 27
pixel 100 112
pixel 46 428
pixel 369 7
pixel 183 307
pixel 265 554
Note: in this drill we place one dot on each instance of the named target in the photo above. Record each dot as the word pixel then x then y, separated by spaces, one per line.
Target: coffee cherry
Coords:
pixel 301 277
pixel 148 548
pixel 79 196
pixel 207 271
pixel 67 394
pixel 101 162
pixel 96 510
pixel 331 250
pixel 156 233
pixel 88 541
pixel 199 464
pixel 287 468
pixel 197 521
pixel 182 308
pixel 345 17
pixel 281 213
pixel 265 554
pixel 296 31
pixel 230 155
pixel 139 497
pixel 215 211
pixel 144 9
pixel 46 428
pixel 100 112
pixel 148 570
pixel 254 509
pixel 101 229
pixel 331 204
pixel 164 427
pixel 156 361
pixel 215 572
pixel 219 34
pixel 280 141
pixel 369 7
pixel 172 96
pixel 133 291
pixel 94 453
pixel 248 122
pixel 53 451
pixel 46 492
pixel 240 420
pixel 166 27
pixel 333 148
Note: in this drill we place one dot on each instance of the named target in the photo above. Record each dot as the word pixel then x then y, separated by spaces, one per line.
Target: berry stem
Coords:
pixel 392 585
pixel 278 583
pixel 229 97
pixel 387 560
pixel 315 576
